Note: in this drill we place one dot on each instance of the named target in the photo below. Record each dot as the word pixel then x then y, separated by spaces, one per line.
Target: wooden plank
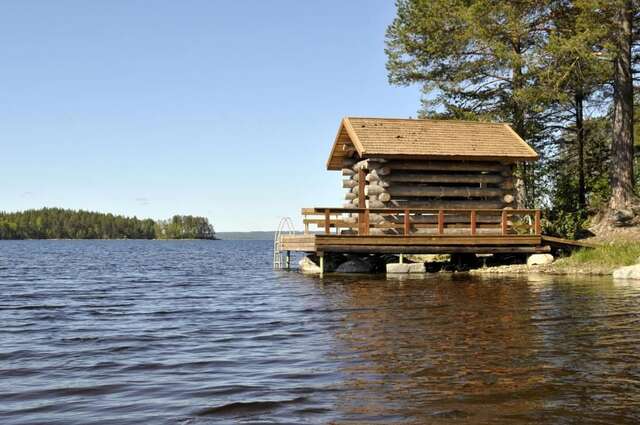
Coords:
pixel 445 165
pixel 435 249
pixel 503 222
pixel 407 222
pixel 447 204
pixel 444 178
pixel 444 191
pixel 561 242
pixel 473 220
pixel 441 221
pixel 361 198
pixel 332 223
pixel 361 184
pixel 327 221
pixel 427 240
pixel 365 223
pixel 338 210
pixel 304 243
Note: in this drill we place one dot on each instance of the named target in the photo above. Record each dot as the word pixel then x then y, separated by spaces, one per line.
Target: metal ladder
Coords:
pixel 280 259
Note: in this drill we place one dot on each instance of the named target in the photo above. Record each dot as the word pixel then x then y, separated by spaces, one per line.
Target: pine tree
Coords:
pixel 571 74
pixel 473 60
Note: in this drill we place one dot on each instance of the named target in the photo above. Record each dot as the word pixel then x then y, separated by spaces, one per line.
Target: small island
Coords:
pixel 59 223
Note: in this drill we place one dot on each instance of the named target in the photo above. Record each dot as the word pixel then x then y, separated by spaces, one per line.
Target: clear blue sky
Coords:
pixel 225 109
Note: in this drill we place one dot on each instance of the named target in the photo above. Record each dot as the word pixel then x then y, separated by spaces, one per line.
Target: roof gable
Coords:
pixel 428 139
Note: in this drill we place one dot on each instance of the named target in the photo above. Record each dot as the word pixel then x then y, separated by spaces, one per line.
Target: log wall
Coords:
pixel 393 183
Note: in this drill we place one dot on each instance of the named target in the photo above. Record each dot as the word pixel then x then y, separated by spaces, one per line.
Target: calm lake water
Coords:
pixel 204 332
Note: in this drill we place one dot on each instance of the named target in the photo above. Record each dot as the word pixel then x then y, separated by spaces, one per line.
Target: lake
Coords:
pixel 204 332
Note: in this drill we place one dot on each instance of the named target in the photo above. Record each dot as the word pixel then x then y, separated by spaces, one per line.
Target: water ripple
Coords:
pixel 195 332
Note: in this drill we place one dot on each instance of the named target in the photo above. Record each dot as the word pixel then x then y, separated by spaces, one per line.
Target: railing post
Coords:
pixel 365 222
pixel 473 221
pixel 537 225
pixel 503 222
pixel 361 184
pixel 407 223
pixel 441 222
pixel 327 222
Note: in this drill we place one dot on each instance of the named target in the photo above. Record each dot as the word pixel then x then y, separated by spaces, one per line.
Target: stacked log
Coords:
pixel 439 184
pixel 394 183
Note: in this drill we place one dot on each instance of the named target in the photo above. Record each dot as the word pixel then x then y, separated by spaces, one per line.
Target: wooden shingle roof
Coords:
pixel 428 139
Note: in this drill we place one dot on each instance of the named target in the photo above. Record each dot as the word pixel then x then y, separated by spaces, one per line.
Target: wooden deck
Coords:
pixel 423 231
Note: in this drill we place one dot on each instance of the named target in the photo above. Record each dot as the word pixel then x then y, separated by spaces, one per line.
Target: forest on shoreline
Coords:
pixel 563 73
pixel 58 223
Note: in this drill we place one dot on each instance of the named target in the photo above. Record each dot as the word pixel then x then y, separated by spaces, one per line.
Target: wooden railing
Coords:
pixel 408 221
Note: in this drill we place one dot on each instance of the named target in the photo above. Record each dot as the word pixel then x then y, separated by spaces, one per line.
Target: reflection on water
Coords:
pixel 487 350
pixel 205 332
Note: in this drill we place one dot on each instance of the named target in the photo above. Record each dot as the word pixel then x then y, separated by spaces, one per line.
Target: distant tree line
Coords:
pixel 57 223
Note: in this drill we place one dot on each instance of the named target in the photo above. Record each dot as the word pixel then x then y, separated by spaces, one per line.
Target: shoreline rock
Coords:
pixel 519 269
pixel 628 272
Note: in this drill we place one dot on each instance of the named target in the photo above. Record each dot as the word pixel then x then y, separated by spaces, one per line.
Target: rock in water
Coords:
pixel 307 266
pixel 394 268
pixel 355 266
pixel 539 259
pixel 629 272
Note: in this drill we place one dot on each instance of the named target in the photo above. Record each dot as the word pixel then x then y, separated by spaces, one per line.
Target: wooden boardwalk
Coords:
pixel 445 244
pixel 423 231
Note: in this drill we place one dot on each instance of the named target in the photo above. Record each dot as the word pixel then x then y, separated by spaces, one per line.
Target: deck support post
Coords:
pixel 288 260
pixel 401 260
pixel 321 255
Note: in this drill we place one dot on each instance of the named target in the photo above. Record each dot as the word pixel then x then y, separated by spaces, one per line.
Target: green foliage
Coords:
pixel 184 227
pixel 57 223
pixel 571 224
pixel 477 60
pixel 544 67
pixel 563 167
pixel 611 255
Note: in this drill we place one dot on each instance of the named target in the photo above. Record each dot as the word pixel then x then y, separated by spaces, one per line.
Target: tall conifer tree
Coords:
pixel 472 58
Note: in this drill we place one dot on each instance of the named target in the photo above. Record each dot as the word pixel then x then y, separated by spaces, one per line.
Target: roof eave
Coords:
pixel 352 136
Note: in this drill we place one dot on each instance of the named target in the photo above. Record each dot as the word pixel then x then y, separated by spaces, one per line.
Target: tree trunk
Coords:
pixel 523 189
pixel 582 199
pixel 622 146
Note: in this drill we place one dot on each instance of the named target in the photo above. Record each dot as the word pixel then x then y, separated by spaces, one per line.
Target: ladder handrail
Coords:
pixel 285 226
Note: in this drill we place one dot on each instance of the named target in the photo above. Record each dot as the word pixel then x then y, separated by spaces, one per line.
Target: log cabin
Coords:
pixel 423 186
pixel 417 163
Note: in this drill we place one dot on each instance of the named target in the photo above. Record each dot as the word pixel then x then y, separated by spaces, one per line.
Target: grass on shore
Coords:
pixel 616 254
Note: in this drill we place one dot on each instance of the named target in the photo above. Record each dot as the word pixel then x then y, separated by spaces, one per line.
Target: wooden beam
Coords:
pixel 407 222
pixel 503 222
pixel 561 242
pixel 445 178
pixel 365 223
pixel 445 165
pixel 441 222
pixel 327 221
pixel 462 239
pixel 537 226
pixel 436 249
pixel 416 203
pixel 444 191
pixel 473 220
pixel 361 184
